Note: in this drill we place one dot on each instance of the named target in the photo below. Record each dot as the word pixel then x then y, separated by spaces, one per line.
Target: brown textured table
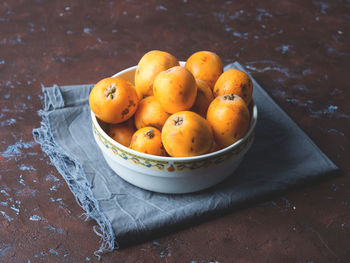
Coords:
pixel 298 51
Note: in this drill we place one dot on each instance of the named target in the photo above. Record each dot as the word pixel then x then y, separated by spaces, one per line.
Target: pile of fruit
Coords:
pixel 175 111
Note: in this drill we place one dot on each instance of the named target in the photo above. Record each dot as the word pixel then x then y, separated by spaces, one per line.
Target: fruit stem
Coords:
pixel 229 97
pixel 150 133
pixel 178 121
pixel 109 91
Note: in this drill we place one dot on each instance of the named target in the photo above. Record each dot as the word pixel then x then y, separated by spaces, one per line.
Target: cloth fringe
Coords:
pixel 73 173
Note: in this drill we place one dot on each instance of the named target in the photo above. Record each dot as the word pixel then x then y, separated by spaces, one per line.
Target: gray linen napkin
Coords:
pixel 282 156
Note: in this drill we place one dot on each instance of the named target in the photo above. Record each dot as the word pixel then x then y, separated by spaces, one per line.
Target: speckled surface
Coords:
pixel 297 50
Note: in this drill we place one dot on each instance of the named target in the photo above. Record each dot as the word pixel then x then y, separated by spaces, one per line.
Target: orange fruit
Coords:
pixel 122 132
pixel 150 113
pixel 205 65
pixel 186 133
pixel 149 66
pixel 175 89
pixel 203 99
pixel 148 140
pixel 234 81
pixel 113 100
pixel 228 115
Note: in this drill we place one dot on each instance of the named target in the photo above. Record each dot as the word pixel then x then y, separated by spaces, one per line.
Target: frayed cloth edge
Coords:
pixel 82 191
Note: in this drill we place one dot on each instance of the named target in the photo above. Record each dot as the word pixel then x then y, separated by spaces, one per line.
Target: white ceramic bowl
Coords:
pixel 172 175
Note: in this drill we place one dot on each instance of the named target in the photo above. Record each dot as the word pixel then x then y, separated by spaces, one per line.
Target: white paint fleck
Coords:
pixel 24 167
pixel 87 30
pixel 4 249
pixel 262 12
pixel 162 8
pixel 6 216
pixel 323 6
pixel 35 218
pixel 307 72
pixel 21 181
pixel 25 191
pixel 51 177
pixel 336 132
pixel 15 149
pixel 53 252
pixel 8 122
pixel 4 192
pixel 19 39
pixel 284 49
pixel 15 209
pixel 237 34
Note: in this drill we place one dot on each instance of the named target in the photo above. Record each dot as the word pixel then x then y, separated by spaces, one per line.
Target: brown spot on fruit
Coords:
pixel 131 103
pixel 124 112
pixel 193 140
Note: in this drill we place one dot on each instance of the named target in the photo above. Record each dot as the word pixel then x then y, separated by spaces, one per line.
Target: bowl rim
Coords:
pixel 253 121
